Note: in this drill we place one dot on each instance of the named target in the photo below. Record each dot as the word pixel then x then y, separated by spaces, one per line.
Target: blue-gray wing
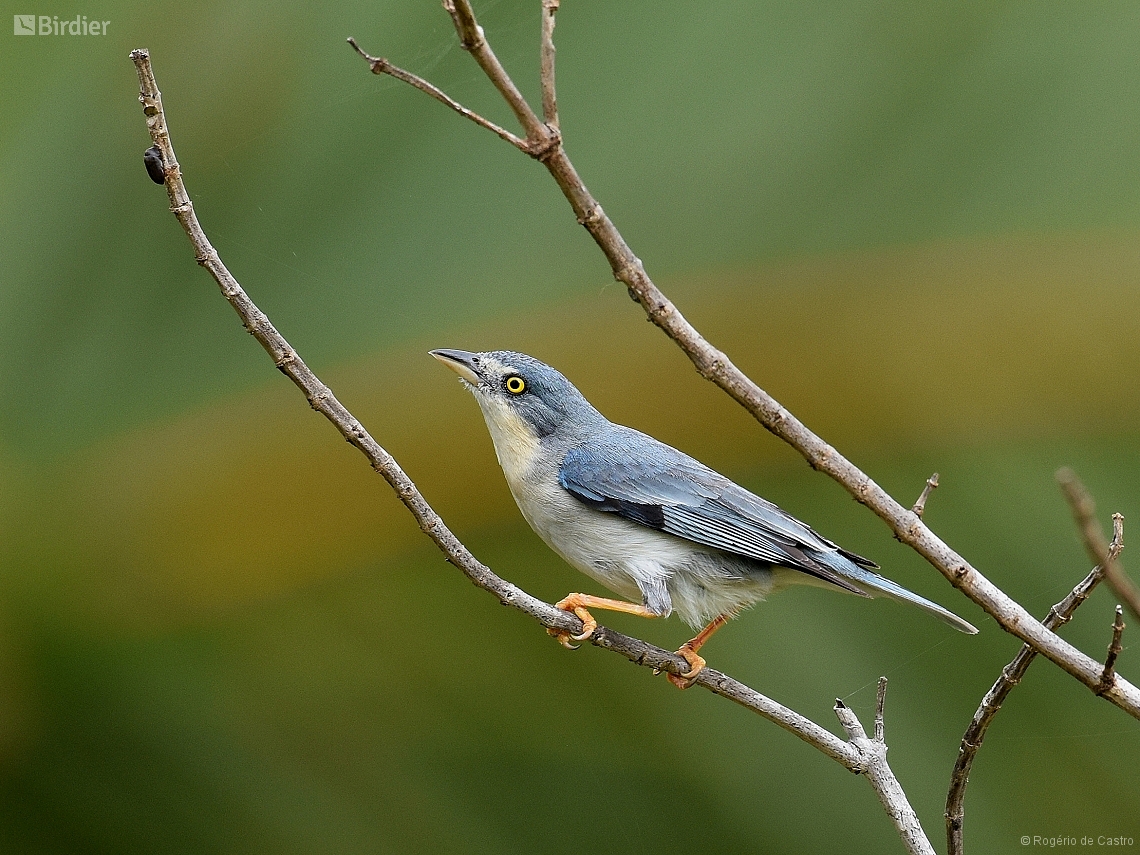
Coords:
pixel 641 479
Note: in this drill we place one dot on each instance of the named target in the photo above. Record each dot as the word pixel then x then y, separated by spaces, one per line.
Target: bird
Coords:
pixel 647 521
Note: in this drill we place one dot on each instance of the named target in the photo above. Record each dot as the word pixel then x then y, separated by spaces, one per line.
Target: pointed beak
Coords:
pixel 462 362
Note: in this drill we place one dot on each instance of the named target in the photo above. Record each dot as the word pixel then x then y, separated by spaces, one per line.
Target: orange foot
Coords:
pixel 689 652
pixel 578 605
pixel 696 665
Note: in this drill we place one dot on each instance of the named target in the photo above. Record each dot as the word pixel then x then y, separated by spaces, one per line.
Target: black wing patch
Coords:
pixel 652 516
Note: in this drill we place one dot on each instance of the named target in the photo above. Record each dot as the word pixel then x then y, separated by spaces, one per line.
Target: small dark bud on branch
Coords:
pixel 152 158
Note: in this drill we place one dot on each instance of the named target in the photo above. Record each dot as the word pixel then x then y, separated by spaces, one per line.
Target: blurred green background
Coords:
pixel 917 225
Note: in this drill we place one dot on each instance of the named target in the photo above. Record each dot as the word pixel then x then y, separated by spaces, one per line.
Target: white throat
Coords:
pixel 516 446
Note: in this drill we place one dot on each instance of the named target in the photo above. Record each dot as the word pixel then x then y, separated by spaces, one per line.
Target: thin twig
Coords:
pixel 1114 648
pixel 546 72
pixel 379 65
pixel 920 505
pixel 472 40
pixel 1011 675
pixel 1092 536
pixel 321 398
pixel 880 703
pixel 879 775
pixel 714 365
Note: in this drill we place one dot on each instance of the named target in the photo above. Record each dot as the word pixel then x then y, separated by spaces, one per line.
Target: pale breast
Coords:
pixel 637 562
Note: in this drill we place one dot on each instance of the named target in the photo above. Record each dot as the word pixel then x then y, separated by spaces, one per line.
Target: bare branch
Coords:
pixel 879 775
pixel 920 505
pixel 1011 675
pixel 471 39
pixel 1114 648
pixel 1096 544
pixel 546 74
pixel 714 365
pixel 858 754
pixel 379 65
pixel 321 398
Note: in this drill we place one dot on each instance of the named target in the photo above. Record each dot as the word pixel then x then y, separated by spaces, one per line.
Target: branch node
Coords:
pixel 823 458
pixel 544 147
pixel 1057 619
pixel 591 217
pixel 632 274
pixel 880 701
pixel 1108 678
pixel 1011 673
pixel 378 64
pixel 920 505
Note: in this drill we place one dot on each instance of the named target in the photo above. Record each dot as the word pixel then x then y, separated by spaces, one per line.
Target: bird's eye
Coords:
pixel 516 385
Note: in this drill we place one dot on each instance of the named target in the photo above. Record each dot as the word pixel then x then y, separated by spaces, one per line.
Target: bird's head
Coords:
pixel 520 396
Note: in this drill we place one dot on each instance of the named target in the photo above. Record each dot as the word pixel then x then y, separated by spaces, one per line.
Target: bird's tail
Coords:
pixel 873 583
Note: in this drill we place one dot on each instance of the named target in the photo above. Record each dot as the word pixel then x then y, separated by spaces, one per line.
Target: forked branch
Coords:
pixel 1092 536
pixel 879 773
pixel 545 144
pixel 379 65
pixel 853 755
pixel 1011 675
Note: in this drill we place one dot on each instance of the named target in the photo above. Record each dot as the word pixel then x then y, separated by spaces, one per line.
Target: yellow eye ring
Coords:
pixel 516 385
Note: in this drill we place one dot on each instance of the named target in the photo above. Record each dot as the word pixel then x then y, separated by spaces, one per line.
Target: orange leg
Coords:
pixel 578 603
pixel 689 651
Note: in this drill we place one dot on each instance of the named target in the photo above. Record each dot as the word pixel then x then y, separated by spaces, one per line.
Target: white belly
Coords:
pixel 663 572
pixel 637 562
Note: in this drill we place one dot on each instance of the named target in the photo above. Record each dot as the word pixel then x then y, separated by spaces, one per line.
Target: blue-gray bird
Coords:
pixel 647 521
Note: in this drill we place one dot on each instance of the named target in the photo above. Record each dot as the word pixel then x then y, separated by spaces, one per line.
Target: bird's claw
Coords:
pixel 573 605
pixel 696 665
pixel 563 638
pixel 588 622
